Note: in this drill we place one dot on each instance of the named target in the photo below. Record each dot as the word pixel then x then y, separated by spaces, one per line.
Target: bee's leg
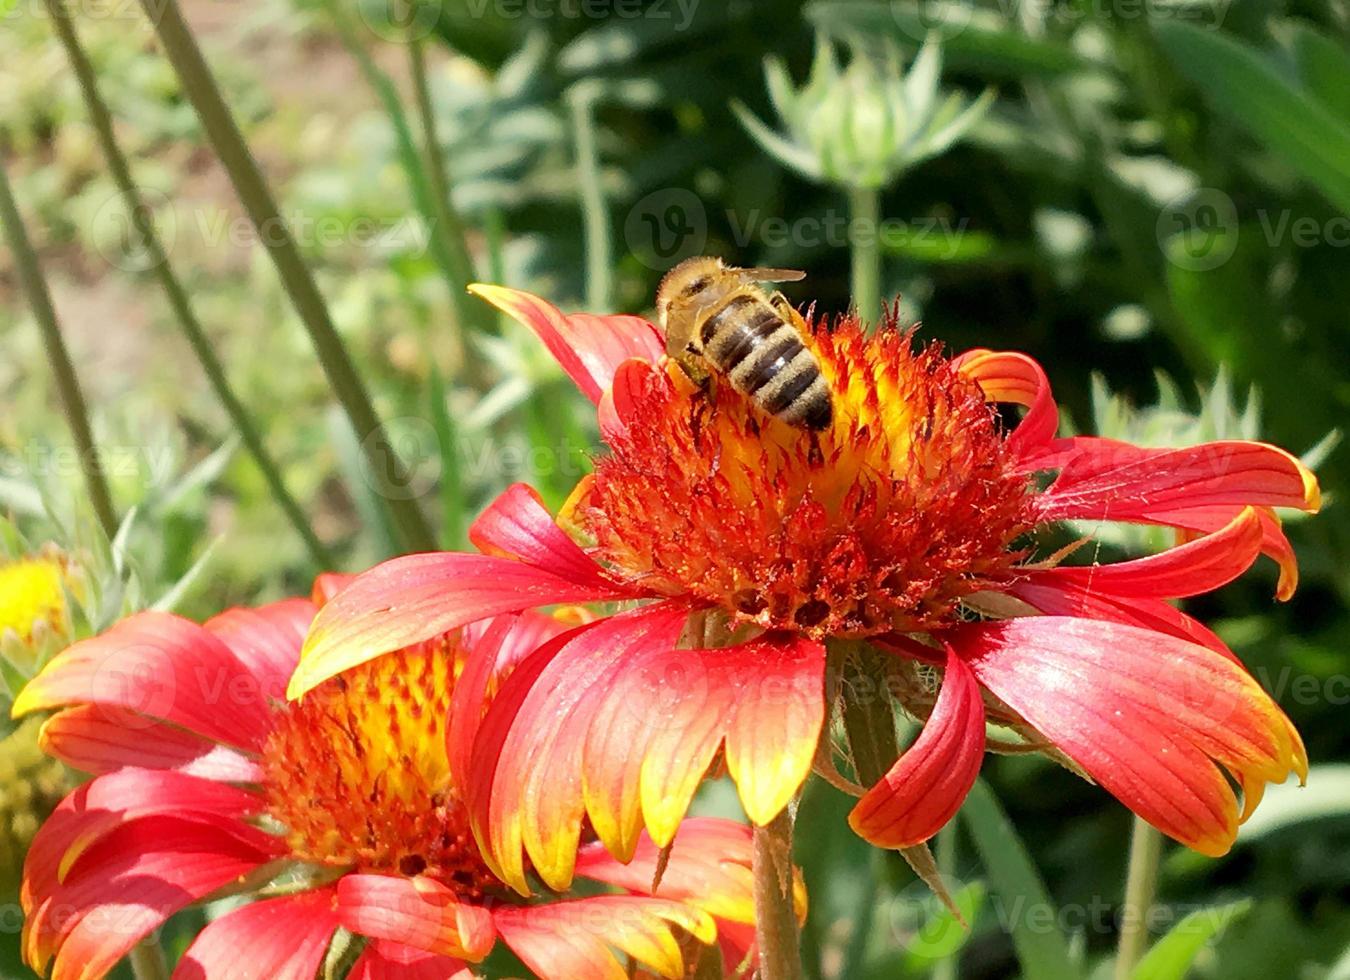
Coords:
pixel 780 303
pixel 815 456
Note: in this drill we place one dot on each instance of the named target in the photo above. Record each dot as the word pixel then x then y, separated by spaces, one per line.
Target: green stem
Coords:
pixel 869 718
pixel 177 296
pixel 221 129
pixel 775 916
pixel 946 969
pixel 426 173
pixel 864 205
pixel 58 357
pixel 1141 885
pixel 147 961
pixel 594 214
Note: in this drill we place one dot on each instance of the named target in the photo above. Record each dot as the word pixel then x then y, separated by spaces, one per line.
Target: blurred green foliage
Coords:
pixel 1158 187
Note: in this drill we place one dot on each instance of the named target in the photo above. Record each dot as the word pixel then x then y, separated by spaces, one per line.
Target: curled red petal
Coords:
pixel 525 786
pixel 385 960
pixel 160 666
pixel 90 739
pixel 1156 720
pixel 518 525
pixel 100 806
pixel 418 912
pixel 1103 479
pixel 571 940
pixel 1008 376
pixel 930 780
pixel 589 348
pixel 1201 565
pixel 669 710
pixel 129 883
pixel 280 938
pixel 418 597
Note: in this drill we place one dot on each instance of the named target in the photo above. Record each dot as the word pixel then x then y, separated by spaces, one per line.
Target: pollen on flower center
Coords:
pixel 357 772
pixel 883 522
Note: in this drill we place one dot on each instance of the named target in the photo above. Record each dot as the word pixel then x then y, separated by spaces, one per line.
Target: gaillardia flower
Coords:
pixel 910 524
pixel 209 783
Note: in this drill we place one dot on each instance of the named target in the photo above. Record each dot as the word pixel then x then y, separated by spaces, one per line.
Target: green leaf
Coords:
pixel 1247 88
pixel 970 41
pixel 1042 948
pixel 1324 68
pixel 1172 955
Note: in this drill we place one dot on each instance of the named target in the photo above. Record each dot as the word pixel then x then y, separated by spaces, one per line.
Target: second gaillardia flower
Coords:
pixel 734 546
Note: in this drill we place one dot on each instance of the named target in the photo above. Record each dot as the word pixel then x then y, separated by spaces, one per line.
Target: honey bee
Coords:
pixel 715 315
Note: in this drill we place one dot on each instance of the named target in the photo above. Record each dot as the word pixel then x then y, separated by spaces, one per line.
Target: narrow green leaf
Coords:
pixel 453 509
pixel 1247 88
pixel 1324 68
pixel 1172 955
pixel 1025 906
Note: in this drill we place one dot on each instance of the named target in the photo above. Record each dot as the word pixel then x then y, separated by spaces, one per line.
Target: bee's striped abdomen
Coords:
pixel 763 357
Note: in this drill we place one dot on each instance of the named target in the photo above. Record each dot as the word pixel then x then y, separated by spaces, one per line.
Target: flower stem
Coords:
pixel 864 205
pixel 775 916
pixel 147 961
pixel 142 219
pixel 1141 884
pixel 58 357
pixel 200 87
pixel 594 216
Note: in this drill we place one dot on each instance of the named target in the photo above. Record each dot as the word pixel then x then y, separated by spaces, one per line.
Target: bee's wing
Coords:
pixel 771 275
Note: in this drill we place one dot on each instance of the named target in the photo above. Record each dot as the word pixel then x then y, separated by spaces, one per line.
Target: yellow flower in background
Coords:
pixel 32 595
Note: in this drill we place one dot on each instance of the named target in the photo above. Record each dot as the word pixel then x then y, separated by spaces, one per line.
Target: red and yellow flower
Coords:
pixel 208 783
pixel 912 524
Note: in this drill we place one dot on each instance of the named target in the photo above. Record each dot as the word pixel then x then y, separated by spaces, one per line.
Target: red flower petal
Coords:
pixel 517 525
pixel 1156 720
pixel 1007 376
pixel 495 648
pixel 1199 566
pixel 1207 520
pixel 589 348
pixel 930 780
pixel 1057 597
pixel 266 639
pixel 1132 592
pixel 88 738
pixel 102 805
pixel 669 711
pixel 417 597
pixel 709 867
pixel 328 584
pixel 384 960
pixel 129 883
pixel 417 912
pixel 280 939
pixel 525 785
pixel 619 404
pixel 1108 480
pixel 161 666
pixel 572 940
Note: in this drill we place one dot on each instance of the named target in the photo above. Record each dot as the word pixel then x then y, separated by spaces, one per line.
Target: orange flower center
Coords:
pixel 885 521
pixel 357 772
